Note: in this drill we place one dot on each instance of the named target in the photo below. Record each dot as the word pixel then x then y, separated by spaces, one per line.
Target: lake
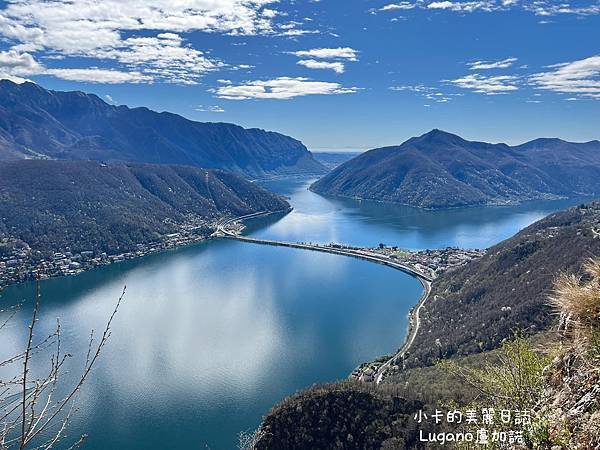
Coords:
pixel 212 335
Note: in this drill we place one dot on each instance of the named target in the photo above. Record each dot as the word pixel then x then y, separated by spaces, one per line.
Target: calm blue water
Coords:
pixel 320 219
pixel 211 336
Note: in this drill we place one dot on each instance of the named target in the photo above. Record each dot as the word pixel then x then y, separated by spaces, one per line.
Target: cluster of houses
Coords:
pixel 432 262
pixel 22 264
pixel 428 262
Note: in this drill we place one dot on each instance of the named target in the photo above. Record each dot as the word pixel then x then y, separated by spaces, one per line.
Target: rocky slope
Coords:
pixel 440 170
pixel 38 123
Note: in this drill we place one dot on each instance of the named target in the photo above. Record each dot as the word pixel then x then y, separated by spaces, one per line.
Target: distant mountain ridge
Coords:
pixel 37 123
pixel 441 170
pixel 331 160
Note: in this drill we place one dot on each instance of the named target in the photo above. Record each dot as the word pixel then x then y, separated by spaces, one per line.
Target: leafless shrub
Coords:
pixel 35 410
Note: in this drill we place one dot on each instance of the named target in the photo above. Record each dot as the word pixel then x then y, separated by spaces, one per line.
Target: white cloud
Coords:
pixel 163 57
pixel 213 109
pixel 487 85
pixel 396 6
pixel 17 63
pixel 580 77
pixel 485 65
pixel 430 93
pixel 464 6
pixel 335 54
pixel 14 66
pixel 14 78
pixel 538 7
pixel 107 30
pixel 329 53
pixel 281 88
pixel 548 8
pixel 93 75
pixel 336 66
pixel 57 24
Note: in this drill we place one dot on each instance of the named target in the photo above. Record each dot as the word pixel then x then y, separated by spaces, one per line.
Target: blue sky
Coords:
pixel 353 74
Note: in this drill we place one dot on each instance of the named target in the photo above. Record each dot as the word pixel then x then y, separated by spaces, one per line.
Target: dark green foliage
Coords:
pixel 36 123
pixel 441 170
pixel 86 205
pixel 345 415
pixel 476 307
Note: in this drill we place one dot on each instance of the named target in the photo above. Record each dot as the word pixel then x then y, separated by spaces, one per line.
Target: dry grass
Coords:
pixel 577 300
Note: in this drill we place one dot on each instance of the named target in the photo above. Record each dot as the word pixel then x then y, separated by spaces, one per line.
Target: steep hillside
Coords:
pixel 48 206
pixel 347 415
pixel 37 123
pixel 472 318
pixel 439 170
pixel 477 306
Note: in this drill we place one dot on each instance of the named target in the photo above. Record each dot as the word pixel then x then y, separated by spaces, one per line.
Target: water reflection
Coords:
pixel 212 335
pixel 209 337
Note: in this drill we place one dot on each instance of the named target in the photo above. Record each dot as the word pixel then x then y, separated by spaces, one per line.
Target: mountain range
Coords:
pixel 442 170
pixel 36 123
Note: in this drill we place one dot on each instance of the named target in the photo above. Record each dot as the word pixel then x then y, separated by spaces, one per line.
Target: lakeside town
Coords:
pixel 21 263
pixel 430 262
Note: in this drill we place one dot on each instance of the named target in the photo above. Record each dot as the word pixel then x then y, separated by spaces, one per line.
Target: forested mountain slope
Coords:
pixel 475 307
pixel 38 123
pixel 441 170
pixel 91 206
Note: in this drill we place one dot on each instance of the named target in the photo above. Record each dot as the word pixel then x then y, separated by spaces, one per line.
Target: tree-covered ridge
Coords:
pixel 345 415
pixel 38 123
pixel 442 170
pixel 49 206
pixel 476 307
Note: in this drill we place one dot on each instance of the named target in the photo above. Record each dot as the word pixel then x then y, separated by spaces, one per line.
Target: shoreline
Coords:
pixel 507 203
pixel 221 229
pixel 96 262
pixel 62 263
pixel 413 329
pixel 414 318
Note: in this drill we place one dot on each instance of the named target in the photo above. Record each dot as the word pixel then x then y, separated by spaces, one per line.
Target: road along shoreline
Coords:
pixel 414 318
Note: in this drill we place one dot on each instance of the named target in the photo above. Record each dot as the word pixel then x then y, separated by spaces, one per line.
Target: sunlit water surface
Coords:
pixel 210 336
